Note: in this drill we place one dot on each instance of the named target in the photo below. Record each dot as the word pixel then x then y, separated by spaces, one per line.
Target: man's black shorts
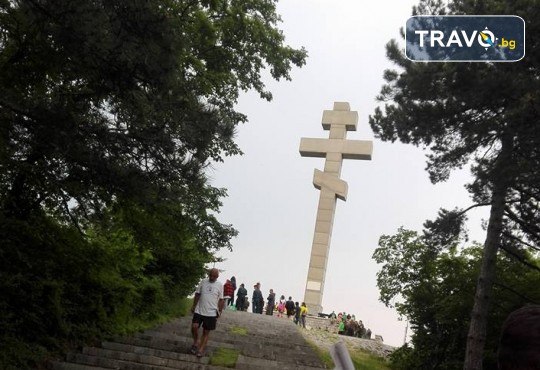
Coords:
pixel 208 322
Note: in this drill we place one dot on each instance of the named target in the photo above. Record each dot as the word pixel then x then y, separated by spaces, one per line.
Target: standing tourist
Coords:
pixel 281 306
pixel 233 283
pixel 257 300
pixel 303 314
pixel 241 298
pixel 228 292
pixel 296 313
pixel 289 307
pixel 207 307
pixel 271 302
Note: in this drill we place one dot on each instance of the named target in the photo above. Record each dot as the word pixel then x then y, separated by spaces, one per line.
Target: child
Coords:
pixel 281 308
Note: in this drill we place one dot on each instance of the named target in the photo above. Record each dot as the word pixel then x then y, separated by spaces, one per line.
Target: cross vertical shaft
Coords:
pixel 334 149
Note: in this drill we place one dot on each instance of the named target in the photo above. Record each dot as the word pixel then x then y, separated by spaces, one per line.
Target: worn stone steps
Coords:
pixel 163 358
pixel 278 342
pixel 268 343
pixel 72 366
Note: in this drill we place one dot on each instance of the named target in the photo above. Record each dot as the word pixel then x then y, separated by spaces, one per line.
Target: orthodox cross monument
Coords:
pixel 336 148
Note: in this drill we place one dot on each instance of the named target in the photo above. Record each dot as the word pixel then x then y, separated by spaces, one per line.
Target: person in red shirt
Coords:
pixel 228 292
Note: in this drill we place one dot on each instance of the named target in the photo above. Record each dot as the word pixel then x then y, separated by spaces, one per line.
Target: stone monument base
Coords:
pixel 314 309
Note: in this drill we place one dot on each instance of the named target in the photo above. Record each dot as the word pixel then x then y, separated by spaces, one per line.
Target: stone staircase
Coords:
pixel 269 343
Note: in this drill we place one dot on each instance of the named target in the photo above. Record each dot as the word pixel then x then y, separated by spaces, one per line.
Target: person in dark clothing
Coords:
pixel 241 298
pixel 271 302
pixel 257 300
pixel 289 307
pixel 297 313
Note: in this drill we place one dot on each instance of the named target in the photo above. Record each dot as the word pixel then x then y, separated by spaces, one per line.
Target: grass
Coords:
pixel 362 360
pixel 224 357
pixel 323 355
pixel 239 330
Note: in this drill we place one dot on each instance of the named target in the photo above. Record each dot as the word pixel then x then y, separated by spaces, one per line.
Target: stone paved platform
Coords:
pixel 270 343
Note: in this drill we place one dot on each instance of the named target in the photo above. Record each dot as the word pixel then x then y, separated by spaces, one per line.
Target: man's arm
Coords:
pixel 195 301
pixel 221 305
pixel 221 301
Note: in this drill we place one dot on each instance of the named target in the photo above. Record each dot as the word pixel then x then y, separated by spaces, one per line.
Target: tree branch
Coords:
pixel 71 217
pixel 515 238
pixel 472 207
pixel 529 229
pixel 515 292
pixel 518 257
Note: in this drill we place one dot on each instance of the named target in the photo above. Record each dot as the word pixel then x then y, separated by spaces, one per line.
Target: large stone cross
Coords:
pixel 334 149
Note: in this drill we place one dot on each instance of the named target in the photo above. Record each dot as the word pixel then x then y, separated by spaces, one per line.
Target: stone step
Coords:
pixel 110 363
pixel 56 365
pixel 248 363
pixel 283 341
pixel 287 341
pixel 178 354
pixel 298 358
pixel 168 343
pixel 166 361
pixel 251 348
pixel 270 343
pixel 94 362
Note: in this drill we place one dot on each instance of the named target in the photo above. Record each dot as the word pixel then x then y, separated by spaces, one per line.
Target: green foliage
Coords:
pixel 363 360
pixel 61 287
pixel 170 309
pixel 106 100
pixel 323 354
pixel 478 114
pixel 404 358
pixel 471 113
pixel 432 285
pixel 110 113
pixel 225 357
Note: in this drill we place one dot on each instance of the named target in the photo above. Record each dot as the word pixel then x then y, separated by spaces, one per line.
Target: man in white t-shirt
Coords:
pixel 207 307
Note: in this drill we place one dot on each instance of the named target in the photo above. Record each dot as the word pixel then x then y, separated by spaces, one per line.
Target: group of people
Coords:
pixel 281 307
pixel 348 325
pixel 520 331
pixel 211 298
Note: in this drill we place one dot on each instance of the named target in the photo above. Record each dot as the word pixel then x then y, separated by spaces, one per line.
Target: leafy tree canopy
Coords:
pixel 483 114
pixel 108 100
pixel 467 112
pixel 431 283
pixel 110 112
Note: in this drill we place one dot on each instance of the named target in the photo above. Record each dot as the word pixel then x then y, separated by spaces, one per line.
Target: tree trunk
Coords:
pixel 477 329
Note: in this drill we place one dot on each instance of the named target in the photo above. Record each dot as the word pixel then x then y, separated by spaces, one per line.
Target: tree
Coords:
pixel 479 113
pixel 429 278
pixel 104 100
pixel 110 113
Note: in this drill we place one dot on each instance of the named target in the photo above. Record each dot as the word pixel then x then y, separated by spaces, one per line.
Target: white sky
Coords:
pixel 272 201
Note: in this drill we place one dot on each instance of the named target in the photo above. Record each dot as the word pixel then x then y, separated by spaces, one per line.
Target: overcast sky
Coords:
pixel 272 201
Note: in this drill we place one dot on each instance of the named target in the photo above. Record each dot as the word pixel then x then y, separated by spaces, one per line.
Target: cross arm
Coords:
pixel 350 149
